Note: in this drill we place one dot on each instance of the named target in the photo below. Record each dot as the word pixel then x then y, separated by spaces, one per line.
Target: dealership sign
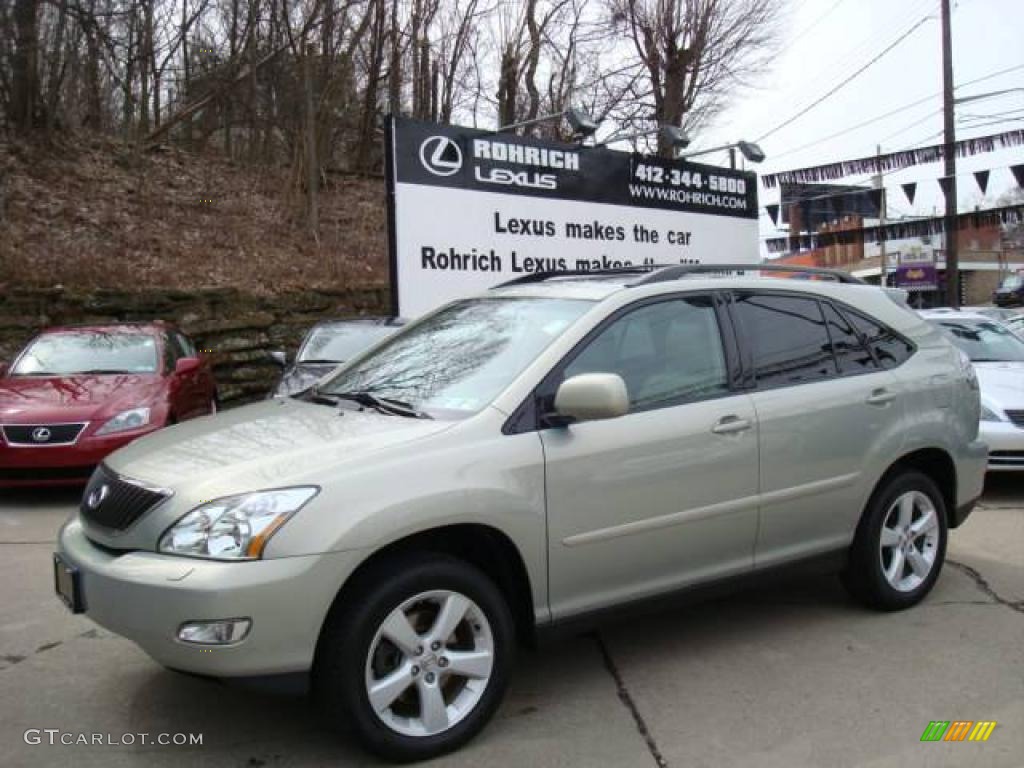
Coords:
pixel 917 277
pixel 469 209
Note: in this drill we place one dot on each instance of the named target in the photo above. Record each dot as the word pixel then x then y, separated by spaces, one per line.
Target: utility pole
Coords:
pixel 883 262
pixel 949 140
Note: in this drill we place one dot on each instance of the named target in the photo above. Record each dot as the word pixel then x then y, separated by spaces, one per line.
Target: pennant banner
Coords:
pixel 910 189
pixel 1018 174
pixel 1011 214
pixel 982 178
pixel 946 182
pixel 894 161
pixel 773 211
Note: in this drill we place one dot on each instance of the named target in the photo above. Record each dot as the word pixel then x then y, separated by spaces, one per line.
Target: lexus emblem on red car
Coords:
pixel 41 434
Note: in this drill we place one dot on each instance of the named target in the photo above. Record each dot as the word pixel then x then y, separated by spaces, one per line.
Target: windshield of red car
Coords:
pixel 69 352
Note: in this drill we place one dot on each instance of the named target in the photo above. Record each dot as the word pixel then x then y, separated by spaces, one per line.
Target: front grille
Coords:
pixel 1006 458
pixel 41 434
pixel 121 504
pixel 1017 417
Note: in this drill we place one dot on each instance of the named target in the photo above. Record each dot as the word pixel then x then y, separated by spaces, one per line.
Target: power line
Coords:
pixel 816 22
pixel 896 111
pixel 844 82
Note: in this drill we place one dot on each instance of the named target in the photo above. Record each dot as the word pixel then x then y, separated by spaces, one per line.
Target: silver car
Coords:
pixel 550 451
pixel 998 357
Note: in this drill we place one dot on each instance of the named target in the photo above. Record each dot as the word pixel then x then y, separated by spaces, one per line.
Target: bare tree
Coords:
pixel 695 53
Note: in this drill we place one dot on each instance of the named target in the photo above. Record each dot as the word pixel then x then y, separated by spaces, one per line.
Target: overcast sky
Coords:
pixel 824 41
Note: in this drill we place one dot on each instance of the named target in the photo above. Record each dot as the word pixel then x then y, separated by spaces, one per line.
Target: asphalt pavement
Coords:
pixel 788 675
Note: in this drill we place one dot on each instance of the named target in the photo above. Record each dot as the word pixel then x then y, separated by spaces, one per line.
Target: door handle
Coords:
pixel 880 396
pixel 728 425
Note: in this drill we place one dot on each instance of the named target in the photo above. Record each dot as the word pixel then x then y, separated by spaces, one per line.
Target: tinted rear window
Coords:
pixel 851 354
pixel 889 347
pixel 787 337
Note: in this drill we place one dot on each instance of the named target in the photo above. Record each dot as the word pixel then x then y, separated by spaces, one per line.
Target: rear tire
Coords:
pixel 430 640
pixel 900 544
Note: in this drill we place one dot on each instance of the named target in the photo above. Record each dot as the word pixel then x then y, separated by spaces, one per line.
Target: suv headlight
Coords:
pixel 235 527
pixel 987 414
pixel 125 420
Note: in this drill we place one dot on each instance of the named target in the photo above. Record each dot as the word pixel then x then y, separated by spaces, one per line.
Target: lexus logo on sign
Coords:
pixel 41 434
pixel 441 156
pixel 96 496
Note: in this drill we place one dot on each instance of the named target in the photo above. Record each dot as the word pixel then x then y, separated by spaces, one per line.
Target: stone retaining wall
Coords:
pixel 239 329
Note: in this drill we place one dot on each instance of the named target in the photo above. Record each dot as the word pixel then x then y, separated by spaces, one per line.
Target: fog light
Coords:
pixel 223 632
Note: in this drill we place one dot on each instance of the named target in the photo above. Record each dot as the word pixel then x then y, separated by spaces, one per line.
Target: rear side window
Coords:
pixel 851 355
pixel 889 348
pixel 788 338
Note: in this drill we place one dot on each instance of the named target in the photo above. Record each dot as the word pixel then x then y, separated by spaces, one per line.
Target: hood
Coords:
pixel 264 445
pixel 1002 384
pixel 301 376
pixel 86 397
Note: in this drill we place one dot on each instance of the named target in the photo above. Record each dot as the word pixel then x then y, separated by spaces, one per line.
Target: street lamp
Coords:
pixel 582 124
pixel 748 149
pixel 671 135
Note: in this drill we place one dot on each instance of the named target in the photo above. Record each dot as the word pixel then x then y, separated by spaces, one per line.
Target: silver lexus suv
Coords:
pixel 556 448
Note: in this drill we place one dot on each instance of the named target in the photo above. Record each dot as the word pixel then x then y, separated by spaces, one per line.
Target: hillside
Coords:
pixel 91 214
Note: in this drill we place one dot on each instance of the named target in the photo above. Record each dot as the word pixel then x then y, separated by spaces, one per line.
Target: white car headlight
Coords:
pixel 125 420
pixel 987 414
pixel 235 527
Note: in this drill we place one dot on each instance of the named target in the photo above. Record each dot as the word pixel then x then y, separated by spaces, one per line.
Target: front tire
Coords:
pixel 900 544
pixel 416 661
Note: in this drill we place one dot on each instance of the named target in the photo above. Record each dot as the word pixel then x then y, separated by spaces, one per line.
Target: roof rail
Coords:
pixel 677 271
pixel 539 277
pixel 661 273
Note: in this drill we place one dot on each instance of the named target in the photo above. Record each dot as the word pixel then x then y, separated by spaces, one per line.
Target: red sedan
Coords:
pixel 77 393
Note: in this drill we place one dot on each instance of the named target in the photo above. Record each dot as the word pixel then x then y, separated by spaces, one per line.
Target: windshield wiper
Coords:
pixel 97 371
pixel 370 400
pixel 317 361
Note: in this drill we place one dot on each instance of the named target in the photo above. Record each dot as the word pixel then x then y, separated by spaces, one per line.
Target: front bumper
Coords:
pixel 146 597
pixel 71 464
pixel 1005 442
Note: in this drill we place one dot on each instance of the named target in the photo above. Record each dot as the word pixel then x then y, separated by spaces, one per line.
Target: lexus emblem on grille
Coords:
pixel 96 496
pixel 41 434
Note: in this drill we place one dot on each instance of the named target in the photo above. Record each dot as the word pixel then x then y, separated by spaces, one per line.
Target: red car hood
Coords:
pixel 49 399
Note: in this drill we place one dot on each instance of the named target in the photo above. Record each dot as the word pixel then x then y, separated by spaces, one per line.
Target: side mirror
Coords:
pixel 592 396
pixel 279 357
pixel 186 365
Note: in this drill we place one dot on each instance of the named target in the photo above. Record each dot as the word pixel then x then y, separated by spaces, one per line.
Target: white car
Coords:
pixel 998 356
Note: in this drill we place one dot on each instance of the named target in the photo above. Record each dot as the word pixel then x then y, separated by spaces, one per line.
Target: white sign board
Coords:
pixel 471 209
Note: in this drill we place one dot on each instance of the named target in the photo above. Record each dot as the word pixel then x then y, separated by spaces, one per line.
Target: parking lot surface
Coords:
pixel 787 675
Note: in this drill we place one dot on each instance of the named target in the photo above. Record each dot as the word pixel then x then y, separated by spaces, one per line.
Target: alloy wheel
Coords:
pixel 909 541
pixel 429 663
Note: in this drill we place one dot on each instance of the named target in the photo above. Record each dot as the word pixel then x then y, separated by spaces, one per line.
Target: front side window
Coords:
pixel 66 353
pixel 458 360
pixel 667 353
pixel 788 338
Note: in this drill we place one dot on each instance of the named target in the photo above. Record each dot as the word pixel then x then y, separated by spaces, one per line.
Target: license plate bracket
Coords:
pixel 67 583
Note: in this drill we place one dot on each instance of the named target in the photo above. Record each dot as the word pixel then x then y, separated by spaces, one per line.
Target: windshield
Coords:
pixel 461 358
pixel 69 352
pixel 1011 283
pixel 337 343
pixel 984 342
